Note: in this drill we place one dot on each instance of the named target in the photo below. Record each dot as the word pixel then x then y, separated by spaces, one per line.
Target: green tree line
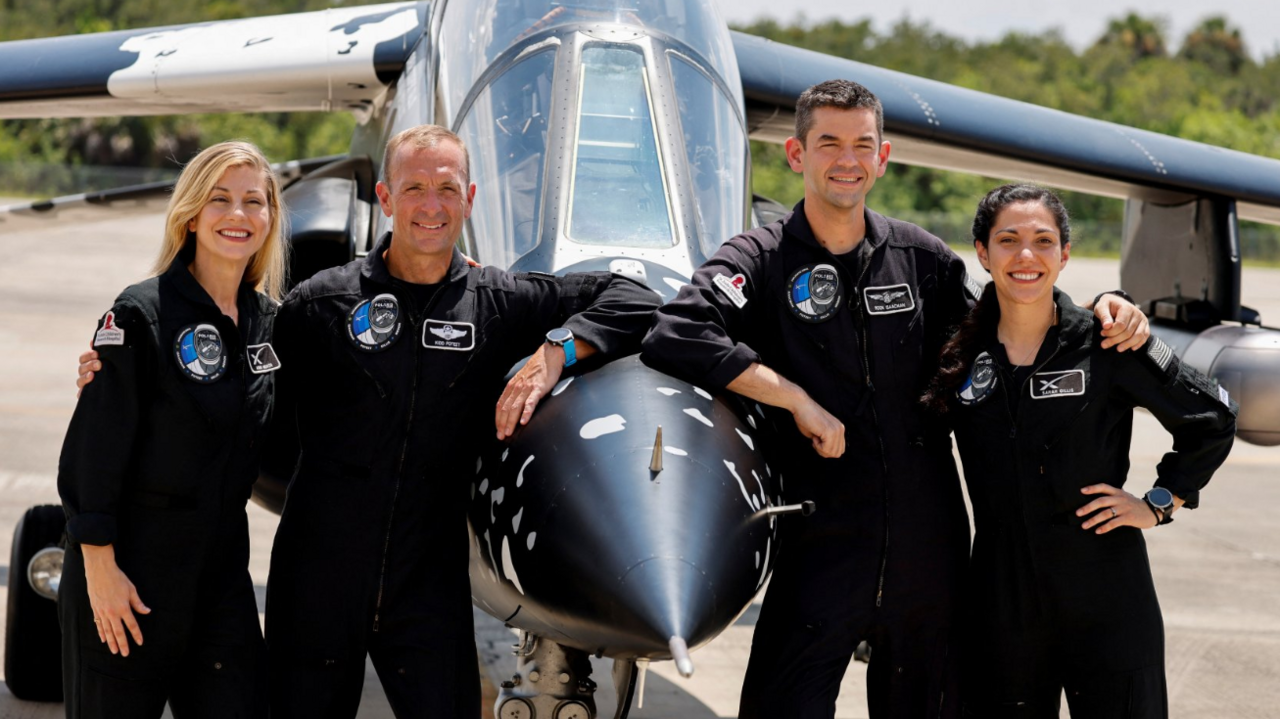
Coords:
pixel 1205 87
pixel 1208 88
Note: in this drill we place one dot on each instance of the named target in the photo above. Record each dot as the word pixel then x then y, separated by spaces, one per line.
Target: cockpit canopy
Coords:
pixel 622 111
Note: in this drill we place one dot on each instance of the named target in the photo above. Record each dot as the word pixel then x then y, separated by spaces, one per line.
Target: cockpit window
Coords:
pixel 476 32
pixel 506 131
pixel 716 147
pixel 617 194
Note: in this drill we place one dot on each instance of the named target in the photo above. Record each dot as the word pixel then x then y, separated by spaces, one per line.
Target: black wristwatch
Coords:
pixel 1160 500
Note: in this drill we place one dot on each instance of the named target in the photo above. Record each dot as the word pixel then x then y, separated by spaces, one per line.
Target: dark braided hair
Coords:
pixel 960 351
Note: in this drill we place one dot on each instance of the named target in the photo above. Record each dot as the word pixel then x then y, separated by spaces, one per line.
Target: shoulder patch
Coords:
pixel 732 287
pixel 108 334
pixel 972 286
pixel 1160 353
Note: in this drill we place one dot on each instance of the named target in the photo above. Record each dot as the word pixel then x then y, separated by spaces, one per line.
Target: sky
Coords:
pixel 1081 21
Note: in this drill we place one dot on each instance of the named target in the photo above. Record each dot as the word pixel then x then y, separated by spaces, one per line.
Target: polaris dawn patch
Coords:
pixel 731 287
pixel 889 300
pixel 981 381
pixel 446 335
pixel 109 334
pixel 814 293
pixel 262 358
pixel 200 353
pixel 374 325
pixel 1067 383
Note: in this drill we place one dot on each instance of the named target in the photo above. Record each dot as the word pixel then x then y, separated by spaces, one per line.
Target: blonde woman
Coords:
pixel 156 602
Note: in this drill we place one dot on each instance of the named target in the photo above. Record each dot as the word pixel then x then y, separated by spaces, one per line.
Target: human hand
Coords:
pixel 816 423
pixel 1118 509
pixel 89 363
pixel 522 394
pixel 1124 326
pixel 471 262
pixel 113 598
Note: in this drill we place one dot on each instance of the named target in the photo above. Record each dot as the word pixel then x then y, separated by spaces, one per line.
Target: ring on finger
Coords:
pixel 1113 512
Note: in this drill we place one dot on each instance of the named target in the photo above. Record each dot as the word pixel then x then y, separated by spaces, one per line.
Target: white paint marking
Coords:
pixel 702 392
pixel 757 559
pixel 752 421
pixel 560 386
pixel 479 464
pixel 693 412
pixel 602 426
pixel 674 450
pixel 734 471
pixel 745 438
pixel 484 485
pixel 760 411
pixel 508 568
pixel 763 496
pixel 515 521
pixel 764 568
pixel 755 503
pixel 505 452
pixel 533 536
pixel 668 391
pixel 520 476
pixel 495 500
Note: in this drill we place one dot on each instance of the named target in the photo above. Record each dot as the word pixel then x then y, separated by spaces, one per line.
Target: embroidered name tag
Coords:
pixel 262 358
pixel 889 300
pixel 446 335
pixel 1045 385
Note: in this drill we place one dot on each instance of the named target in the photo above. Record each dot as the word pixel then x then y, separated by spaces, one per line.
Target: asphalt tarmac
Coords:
pixel 1217 569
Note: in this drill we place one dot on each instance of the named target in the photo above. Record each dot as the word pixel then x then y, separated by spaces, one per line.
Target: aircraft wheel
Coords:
pixel 32 637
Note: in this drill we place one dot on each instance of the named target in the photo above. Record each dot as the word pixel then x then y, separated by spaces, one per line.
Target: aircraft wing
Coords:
pixel 939 125
pixel 151 197
pixel 338 59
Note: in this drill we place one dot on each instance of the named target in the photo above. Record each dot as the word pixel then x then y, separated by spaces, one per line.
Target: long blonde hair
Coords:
pixel 266 269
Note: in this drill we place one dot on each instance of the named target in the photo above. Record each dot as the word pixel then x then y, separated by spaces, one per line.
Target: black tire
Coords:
pixel 32 637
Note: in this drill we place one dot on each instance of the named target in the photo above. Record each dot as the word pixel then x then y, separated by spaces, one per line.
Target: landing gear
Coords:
pixel 554 682
pixel 32 637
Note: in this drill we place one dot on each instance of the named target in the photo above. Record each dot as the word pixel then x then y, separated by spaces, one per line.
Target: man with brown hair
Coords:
pixel 834 322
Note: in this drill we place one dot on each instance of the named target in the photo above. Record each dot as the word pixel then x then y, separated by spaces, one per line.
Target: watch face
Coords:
pixel 1160 497
pixel 559 336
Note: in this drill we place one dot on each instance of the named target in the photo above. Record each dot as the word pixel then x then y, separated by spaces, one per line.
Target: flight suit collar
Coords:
pixel 797 226
pixel 1073 321
pixel 375 265
pixel 178 274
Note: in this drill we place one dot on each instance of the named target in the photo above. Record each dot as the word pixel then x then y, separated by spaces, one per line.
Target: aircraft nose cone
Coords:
pixel 578 540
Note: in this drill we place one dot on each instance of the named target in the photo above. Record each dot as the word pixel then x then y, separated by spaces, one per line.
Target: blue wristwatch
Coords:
pixel 561 337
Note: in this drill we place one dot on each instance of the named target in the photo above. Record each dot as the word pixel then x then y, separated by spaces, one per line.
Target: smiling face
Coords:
pixel 1024 253
pixel 427 197
pixel 234 221
pixel 841 158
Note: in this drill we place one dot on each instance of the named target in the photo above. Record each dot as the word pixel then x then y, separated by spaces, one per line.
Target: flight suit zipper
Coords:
pixel 875 418
pixel 404 455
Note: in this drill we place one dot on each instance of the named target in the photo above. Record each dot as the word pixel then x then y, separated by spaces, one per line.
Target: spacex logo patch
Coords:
pixel 445 335
pixel 889 300
pixel 262 358
pixel 1068 383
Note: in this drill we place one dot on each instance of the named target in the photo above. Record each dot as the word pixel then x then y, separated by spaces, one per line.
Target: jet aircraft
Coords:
pixel 635 516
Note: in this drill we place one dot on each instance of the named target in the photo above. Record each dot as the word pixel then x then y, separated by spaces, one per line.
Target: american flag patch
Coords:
pixel 1160 353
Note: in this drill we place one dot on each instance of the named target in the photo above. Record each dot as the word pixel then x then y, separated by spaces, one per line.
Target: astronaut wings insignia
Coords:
pixel 447 333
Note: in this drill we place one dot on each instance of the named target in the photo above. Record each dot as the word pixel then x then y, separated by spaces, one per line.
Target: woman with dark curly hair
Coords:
pixel 1060 593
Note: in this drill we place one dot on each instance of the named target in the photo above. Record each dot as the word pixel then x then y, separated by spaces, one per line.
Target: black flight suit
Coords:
pixel 882 557
pixel 1052 605
pixel 159 461
pixel 372 552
